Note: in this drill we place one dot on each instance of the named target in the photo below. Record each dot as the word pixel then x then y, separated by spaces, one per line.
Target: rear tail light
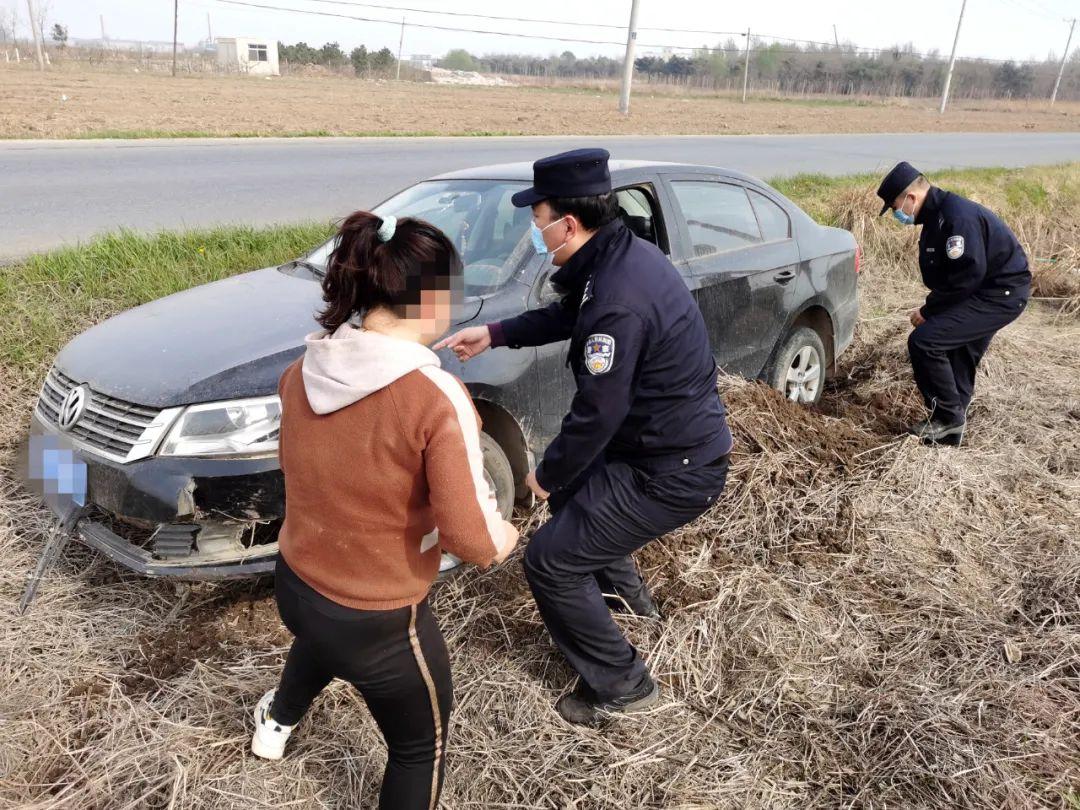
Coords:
pixel 858 259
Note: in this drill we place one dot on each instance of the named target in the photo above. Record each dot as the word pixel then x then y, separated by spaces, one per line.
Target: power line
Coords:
pixel 1031 7
pixel 506 18
pixel 550 38
pixel 430 26
pixel 478 16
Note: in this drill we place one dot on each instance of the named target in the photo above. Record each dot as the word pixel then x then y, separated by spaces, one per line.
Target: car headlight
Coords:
pixel 240 427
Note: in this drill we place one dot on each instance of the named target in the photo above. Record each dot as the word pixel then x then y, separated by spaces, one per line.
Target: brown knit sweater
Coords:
pixel 379 447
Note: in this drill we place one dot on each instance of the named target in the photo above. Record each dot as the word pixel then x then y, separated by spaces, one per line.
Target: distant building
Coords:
pixel 135 45
pixel 257 57
pixel 422 61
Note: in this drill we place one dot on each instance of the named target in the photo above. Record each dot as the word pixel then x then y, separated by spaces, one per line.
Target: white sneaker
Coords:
pixel 270 737
pixel 448 563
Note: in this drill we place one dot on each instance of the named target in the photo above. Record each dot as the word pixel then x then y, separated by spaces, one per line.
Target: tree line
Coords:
pixel 783 68
pixel 794 69
pixel 363 62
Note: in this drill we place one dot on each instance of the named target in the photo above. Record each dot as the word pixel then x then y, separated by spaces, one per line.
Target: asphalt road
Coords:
pixel 60 192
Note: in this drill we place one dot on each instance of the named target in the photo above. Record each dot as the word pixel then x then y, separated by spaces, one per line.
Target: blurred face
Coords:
pixel 434 314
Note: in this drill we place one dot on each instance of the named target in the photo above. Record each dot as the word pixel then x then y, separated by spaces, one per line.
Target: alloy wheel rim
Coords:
pixel 803 380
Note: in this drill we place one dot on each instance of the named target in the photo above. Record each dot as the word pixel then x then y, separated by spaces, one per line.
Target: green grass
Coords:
pixel 821 102
pixel 47 298
pixel 140 134
pixel 1027 192
pixel 1019 189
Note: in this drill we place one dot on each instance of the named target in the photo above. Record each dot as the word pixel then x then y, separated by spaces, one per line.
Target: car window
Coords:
pixel 477 216
pixel 718 216
pixel 774 221
pixel 641 216
pixel 634 202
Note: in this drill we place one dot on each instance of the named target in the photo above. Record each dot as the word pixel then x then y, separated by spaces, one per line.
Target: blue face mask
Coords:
pixel 902 217
pixel 537 234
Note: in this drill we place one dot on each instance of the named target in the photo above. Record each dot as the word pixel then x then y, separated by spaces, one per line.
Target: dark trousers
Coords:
pixel 395 658
pixel 615 510
pixel 621 577
pixel 945 351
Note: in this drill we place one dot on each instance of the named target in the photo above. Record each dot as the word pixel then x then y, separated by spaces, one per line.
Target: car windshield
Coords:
pixel 477 216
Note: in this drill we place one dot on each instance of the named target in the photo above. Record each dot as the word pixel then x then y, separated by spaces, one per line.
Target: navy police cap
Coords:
pixel 580 173
pixel 903 174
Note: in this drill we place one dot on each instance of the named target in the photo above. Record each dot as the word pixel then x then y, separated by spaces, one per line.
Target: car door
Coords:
pixel 642 212
pixel 742 269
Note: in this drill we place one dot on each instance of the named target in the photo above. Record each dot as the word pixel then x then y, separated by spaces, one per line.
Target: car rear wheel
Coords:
pixel 500 477
pixel 799 370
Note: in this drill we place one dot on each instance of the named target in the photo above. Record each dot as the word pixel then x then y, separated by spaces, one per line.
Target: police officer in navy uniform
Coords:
pixel 644 449
pixel 979 283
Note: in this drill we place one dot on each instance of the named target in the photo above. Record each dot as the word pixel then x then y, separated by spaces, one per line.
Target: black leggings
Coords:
pixel 397 659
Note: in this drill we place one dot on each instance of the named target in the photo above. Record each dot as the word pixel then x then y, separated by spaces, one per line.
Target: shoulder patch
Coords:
pixel 599 353
pixel 954 247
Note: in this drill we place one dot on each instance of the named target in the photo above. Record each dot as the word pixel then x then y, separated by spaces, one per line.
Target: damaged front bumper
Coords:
pixel 186 518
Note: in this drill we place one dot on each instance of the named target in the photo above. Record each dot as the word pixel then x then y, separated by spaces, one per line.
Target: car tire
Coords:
pixel 500 477
pixel 499 474
pixel 799 370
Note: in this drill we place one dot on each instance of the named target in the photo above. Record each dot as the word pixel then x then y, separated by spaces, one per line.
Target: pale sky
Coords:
pixel 998 29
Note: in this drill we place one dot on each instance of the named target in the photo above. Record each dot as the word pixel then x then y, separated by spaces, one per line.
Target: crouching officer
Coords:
pixel 644 449
pixel 979 283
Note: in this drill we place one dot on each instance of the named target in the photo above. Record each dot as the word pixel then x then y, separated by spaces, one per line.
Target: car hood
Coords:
pixel 224 340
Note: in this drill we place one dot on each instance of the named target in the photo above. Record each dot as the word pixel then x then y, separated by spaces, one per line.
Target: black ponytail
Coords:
pixel 365 273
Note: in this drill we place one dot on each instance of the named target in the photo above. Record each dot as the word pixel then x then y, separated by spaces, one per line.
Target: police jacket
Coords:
pixel 639 350
pixel 964 249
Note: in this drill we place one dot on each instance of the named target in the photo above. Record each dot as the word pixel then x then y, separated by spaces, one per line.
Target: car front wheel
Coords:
pixel 500 477
pixel 799 370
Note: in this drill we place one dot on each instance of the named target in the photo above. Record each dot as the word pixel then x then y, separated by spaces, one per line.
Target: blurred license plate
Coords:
pixel 58 470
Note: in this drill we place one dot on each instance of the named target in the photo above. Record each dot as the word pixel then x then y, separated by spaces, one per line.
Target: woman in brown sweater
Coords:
pixel 383 470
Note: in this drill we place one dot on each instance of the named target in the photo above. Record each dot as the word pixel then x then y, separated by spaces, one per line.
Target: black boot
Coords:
pixel 584 708
pixel 932 431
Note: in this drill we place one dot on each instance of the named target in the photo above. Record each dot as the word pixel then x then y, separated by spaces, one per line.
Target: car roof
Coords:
pixel 523 172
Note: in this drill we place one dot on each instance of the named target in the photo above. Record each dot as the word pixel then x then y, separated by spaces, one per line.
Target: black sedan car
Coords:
pixel 172 405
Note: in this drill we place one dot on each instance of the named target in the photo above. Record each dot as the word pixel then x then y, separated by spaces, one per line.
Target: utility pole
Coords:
pixel 400 45
pixel 102 18
pixel 835 36
pixel 746 66
pixel 175 24
pixel 952 60
pixel 209 30
pixel 1064 58
pixel 37 35
pixel 628 60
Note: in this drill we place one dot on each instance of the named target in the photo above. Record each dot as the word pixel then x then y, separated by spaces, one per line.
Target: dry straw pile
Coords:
pixel 862 622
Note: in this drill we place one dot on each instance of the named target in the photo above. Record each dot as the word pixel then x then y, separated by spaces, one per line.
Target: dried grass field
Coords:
pixel 76 101
pixel 861 622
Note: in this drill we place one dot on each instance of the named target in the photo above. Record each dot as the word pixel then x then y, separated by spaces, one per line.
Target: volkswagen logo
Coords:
pixel 73 407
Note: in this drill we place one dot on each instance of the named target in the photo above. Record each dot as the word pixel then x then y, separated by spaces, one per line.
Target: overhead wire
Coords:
pixel 847 48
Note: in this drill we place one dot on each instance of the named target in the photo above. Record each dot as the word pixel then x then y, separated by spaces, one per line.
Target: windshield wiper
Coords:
pixel 315 269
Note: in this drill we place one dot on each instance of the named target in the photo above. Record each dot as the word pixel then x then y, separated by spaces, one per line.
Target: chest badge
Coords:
pixel 599 353
pixel 954 247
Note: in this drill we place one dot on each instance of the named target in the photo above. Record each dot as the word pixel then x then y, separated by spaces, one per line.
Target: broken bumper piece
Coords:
pixel 186 518
pixel 99 536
